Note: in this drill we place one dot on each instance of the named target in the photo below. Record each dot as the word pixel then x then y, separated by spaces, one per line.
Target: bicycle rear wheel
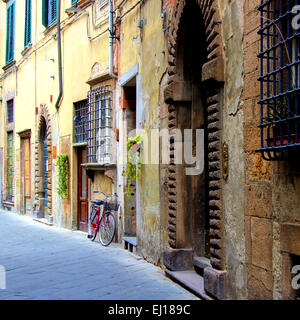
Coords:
pixel 107 229
pixel 93 222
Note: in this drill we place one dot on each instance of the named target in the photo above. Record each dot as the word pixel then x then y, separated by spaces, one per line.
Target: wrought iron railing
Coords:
pixel 100 125
pixel 279 78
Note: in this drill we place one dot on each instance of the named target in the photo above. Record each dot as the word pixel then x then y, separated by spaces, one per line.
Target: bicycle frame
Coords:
pixel 102 220
pixel 100 213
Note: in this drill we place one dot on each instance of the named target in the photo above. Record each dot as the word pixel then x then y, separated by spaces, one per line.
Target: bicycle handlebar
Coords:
pixel 106 195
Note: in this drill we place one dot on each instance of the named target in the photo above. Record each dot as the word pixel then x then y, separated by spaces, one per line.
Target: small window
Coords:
pixel 49 12
pixel 99 125
pixel 10 111
pixel 10 33
pixel 279 79
pixel 27 37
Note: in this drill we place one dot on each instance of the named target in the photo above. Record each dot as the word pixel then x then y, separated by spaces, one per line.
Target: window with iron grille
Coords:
pixel 100 125
pixel 279 78
pixel 81 121
pixel 10 111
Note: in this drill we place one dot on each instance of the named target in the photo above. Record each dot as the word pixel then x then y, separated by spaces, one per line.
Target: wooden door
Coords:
pixel 26 181
pixel 82 192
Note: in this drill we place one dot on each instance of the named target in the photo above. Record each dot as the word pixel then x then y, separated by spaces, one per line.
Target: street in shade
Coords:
pixel 51 263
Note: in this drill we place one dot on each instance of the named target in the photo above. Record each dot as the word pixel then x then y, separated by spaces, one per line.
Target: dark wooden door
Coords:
pixel 82 192
pixel 25 173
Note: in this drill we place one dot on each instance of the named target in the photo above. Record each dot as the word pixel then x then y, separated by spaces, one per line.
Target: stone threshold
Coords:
pixel 191 281
pixel 44 221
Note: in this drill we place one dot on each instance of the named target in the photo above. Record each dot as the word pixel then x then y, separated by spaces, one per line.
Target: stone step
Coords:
pixel 191 281
pixel 130 244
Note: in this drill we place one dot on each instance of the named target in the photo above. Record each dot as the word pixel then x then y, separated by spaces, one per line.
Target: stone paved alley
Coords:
pixel 50 263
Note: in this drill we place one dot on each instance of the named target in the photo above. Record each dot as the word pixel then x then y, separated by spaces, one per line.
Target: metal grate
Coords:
pixel 81 121
pixel 279 78
pixel 99 125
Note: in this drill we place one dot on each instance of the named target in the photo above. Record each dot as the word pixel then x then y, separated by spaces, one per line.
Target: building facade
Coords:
pixel 81 79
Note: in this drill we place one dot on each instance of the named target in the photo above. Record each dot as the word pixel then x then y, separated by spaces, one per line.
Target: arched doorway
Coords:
pixel 43 167
pixel 194 98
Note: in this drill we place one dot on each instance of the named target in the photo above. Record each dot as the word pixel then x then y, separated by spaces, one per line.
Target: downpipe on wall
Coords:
pixel 58 102
pixel 111 39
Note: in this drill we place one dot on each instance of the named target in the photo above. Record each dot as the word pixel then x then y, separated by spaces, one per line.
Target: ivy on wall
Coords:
pixel 134 161
pixel 63 175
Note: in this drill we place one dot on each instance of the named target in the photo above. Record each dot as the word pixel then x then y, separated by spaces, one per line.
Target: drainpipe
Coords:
pixel 111 39
pixel 59 56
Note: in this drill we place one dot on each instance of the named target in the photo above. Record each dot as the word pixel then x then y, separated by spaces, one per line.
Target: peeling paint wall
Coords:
pixel 146 47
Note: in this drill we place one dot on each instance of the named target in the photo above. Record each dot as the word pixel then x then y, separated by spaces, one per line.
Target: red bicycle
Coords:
pixel 102 220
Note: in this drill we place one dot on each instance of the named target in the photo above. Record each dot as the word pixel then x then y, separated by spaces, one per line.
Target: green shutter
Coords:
pixel 45 13
pixel 27 38
pixel 10 32
pixel 53 10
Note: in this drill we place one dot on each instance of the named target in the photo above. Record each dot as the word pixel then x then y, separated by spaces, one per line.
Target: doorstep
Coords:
pixel 190 280
pixel 44 221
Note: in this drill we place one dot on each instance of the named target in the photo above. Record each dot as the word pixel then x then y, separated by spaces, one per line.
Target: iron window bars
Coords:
pixel 279 78
pixel 100 125
pixel 81 121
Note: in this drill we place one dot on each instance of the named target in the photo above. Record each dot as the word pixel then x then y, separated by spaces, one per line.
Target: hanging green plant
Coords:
pixel 63 175
pixel 134 161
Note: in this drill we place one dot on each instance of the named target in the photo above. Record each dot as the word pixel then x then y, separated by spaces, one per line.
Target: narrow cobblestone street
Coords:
pixel 45 262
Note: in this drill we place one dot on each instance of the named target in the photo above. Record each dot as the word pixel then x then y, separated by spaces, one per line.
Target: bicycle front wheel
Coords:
pixel 107 228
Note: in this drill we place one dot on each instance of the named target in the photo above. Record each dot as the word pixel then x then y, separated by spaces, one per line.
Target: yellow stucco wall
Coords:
pixel 34 81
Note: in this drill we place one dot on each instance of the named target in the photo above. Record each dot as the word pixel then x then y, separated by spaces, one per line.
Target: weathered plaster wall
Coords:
pixel 146 47
pixel 233 194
